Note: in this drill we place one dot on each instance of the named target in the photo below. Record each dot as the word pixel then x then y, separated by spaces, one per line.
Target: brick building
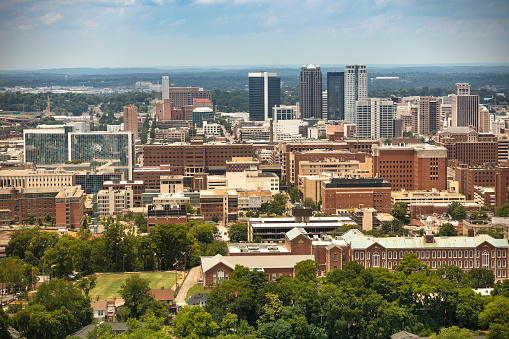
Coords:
pixel 240 164
pixel 223 203
pixel 196 157
pixel 151 176
pixel 69 207
pixel 482 176
pixel 415 167
pixel 501 184
pixel 166 214
pixel 340 194
pixel 469 146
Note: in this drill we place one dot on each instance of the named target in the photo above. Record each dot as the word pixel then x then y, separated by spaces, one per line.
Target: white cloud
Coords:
pixel 51 18
pixel 208 2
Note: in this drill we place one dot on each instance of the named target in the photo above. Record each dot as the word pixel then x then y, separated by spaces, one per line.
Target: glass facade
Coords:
pixel 115 149
pixel 46 146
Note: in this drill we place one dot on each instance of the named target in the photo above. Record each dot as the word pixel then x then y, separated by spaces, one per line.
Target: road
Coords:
pixel 191 279
pixel 223 230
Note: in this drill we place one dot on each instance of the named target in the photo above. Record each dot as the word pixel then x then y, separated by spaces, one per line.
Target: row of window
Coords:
pixel 358 255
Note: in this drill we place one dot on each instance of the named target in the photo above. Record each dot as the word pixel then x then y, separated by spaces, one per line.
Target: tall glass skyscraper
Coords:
pixel 335 95
pixel 356 88
pixel 311 92
pixel 264 94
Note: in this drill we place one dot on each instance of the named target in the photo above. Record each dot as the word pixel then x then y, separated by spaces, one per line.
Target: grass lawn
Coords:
pixel 108 284
pixel 195 289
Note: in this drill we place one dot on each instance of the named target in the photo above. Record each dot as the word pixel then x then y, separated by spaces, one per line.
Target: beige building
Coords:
pixel 113 201
pixel 425 197
pixel 131 120
pixel 173 199
pixel 172 183
pixel 336 166
pixel 253 180
pixel 499 224
pixel 310 186
pixel 35 178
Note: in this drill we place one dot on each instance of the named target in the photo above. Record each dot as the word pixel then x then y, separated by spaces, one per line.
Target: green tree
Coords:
pixel 280 329
pixel 239 272
pixel 309 202
pixel 194 322
pixel 237 232
pixel 470 305
pixel 101 331
pixel 272 310
pixel 411 264
pixel 456 210
pixel 502 211
pixel 189 208
pixel 294 194
pixel 478 278
pixel 140 222
pixel 454 332
pixel 215 218
pixel 496 317
pixel 306 270
pixel 203 232
pixel 447 230
pixel 278 204
pixel 87 284
pixel 172 243
pixel 31 219
pixel 137 299
pixel 399 210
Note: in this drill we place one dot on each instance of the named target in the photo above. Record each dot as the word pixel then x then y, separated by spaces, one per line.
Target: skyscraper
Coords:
pixel 375 118
pixel 311 92
pixel 465 107
pixel 429 115
pixel 356 88
pixel 264 94
pixel 165 88
pixel 131 119
pixel 335 95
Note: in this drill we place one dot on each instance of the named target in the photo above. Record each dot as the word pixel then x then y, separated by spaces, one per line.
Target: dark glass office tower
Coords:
pixel 335 95
pixel 264 93
pixel 311 92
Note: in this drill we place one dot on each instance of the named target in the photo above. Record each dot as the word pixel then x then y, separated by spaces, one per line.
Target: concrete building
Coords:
pixel 465 108
pixel 253 180
pixel 183 96
pixel 415 167
pixel 135 187
pixel 264 94
pixel 356 88
pixel 429 115
pixel 222 203
pixel 112 201
pixel 202 114
pixel 337 166
pixel 240 164
pixel 172 184
pixel 131 120
pixel 151 176
pixel 425 197
pixel 166 214
pixel 374 118
pixel 165 90
pixel 341 194
pixel 34 178
pixel 501 184
pixel 311 92
pixel 211 128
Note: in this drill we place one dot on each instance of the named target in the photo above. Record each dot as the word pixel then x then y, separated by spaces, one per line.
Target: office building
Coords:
pixel 283 113
pixel 112 201
pixel 264 94
pixel 131 120
pixel 501 185
pixel 311 92
pixel 220 202
pixel 165 88
pixel 335 95
pixel 69 207
pixel 86 180
pixel 201 114
pixel 35 178
pixel 375 118
pixel 341 194
pixel 356 88
pixel 468 146
pixel 135 188
pixel 183 96
pixel 413 167
pixel 465 107
pixel 46 146
pixel 429 115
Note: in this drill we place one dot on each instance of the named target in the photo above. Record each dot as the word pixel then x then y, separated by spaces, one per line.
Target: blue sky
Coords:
pixel 158 33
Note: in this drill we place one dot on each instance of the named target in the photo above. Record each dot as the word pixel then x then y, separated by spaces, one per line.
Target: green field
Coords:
pixel 108 284
pixel 195 289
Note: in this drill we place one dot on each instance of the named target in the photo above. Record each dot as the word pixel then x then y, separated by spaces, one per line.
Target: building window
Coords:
pixel 427 254
pixel 368 255
pixel 485 259
pixel 390 265
pixel 460 253
pixel 389 255
pixel 434 264
pixel 434 254
pixel 376 259
pixel 220 275
pixel 214 278
pixel 383 255
pixel 362 255
pixel 356 255
pixel 471 254
pixel 401 254
pixel 460 263
pixel 335 257
pixel 492 254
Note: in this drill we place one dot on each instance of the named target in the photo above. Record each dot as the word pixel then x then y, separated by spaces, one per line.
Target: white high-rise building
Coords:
pixel 166 88
pixel 375 118
pixel 356 88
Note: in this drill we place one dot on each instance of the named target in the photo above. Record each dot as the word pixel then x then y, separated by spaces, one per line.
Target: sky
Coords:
pixel 45 34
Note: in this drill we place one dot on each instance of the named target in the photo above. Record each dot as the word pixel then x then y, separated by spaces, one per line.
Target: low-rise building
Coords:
pixel 425 197
pixel 222 203
pixel 112 201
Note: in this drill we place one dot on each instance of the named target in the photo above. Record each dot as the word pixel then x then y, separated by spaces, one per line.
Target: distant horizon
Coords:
pixel 269 66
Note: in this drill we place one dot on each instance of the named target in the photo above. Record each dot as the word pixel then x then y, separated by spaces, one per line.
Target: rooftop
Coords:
pixel 255 262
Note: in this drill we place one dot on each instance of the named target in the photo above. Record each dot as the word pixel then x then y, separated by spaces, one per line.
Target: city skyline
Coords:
pixel 54 34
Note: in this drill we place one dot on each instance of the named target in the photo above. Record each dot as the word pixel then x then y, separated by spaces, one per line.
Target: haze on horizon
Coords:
pixel 171 33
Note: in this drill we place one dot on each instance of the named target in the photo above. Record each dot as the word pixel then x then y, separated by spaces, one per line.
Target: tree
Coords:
pixel 31 219
pixel 502 211
pixel 172 243
pixel 194 322
pixel 101 331
pixel 496 317
pixel 478 278
pixel 306 270
pixel 215 218
pixel 203 232
pixel 238 232
pixel 239 272
pixel 278 204
pixel 272 309
pixel 280 329
pixel 137 299
pixel 456 210
pixel 189 208
pixel 454 332
pixel 399 211
pixel 140 222
pixel 470 305
pixel 447 230
pixel 87 284
pixel 411 264
pixel 309 202
pixel 495 232
pixel 294 194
